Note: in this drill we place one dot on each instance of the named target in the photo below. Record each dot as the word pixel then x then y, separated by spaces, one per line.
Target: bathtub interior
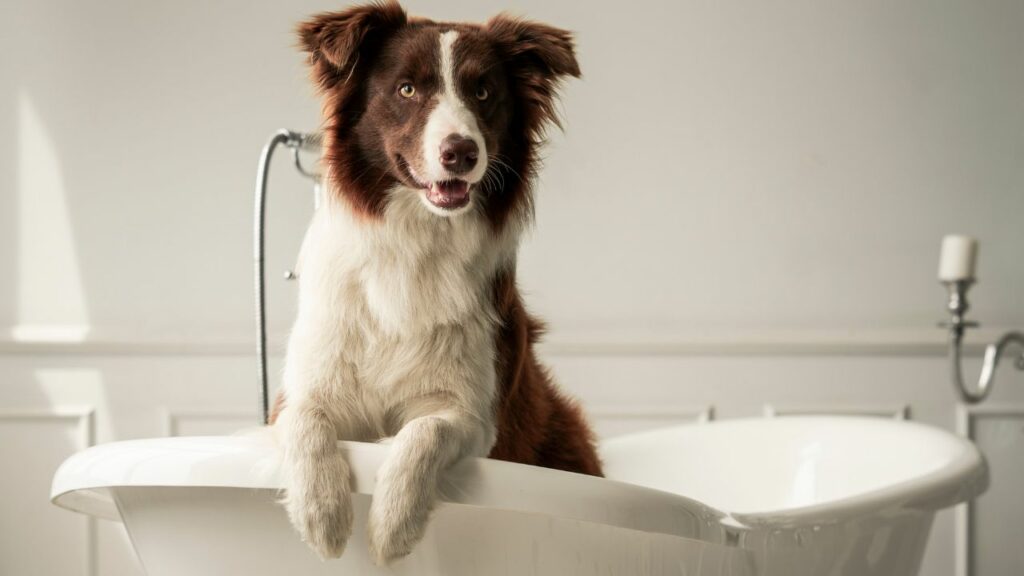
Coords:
pixel 793 463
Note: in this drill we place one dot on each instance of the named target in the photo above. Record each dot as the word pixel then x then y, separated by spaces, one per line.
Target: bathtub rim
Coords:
pixel 964 477
pixel 83 483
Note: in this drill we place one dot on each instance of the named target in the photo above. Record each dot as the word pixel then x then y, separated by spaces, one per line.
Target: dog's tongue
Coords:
pixel 449 194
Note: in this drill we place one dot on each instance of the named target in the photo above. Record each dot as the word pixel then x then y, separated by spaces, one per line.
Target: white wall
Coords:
pixel 742 166
pixel 744 210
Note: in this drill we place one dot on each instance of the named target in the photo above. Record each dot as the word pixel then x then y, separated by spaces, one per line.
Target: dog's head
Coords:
pixel 450 112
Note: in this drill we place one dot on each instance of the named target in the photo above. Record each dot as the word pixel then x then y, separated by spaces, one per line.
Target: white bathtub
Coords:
pixel 206 506
pixel 815 496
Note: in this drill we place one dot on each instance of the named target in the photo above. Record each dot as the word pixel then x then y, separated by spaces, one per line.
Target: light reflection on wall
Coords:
pixel 51 304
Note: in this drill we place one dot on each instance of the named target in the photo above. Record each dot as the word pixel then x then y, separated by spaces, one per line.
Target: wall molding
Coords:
pixel 896 411
pixel 84 416
pixel 701 414
pixel 966 416
pixel 173 417
pixel 594 343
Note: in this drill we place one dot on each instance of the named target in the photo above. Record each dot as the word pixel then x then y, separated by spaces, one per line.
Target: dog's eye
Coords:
pixel 407 90
pixel 482 94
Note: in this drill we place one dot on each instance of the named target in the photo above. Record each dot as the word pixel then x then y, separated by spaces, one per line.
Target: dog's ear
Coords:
pixel 540 57
pixel 335 40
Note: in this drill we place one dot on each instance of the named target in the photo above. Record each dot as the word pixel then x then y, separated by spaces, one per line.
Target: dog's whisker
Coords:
pixel 503 161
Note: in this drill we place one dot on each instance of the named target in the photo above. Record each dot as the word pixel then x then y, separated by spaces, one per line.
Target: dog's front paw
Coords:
pixel 392 538
pixel 323 518
pixel 398 517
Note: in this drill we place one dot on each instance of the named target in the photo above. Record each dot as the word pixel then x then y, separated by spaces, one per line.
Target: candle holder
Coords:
pixel 957 325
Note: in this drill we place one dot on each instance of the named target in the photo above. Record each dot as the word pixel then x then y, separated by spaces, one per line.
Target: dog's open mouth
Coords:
pixel 449 194
pixel 445 194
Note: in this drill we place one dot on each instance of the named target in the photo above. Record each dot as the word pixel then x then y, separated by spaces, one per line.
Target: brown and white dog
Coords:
pixel 410 324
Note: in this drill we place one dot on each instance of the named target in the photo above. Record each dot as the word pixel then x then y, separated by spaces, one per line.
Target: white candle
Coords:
pixel 959 254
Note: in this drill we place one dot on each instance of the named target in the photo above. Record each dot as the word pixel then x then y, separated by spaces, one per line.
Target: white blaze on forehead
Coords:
pixel 450 116
pixel 448 61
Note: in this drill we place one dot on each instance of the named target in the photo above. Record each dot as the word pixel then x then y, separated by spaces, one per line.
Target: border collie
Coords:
pixel 410 324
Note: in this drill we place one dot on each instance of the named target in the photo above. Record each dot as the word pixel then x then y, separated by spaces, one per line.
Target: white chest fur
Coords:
pixel 394 312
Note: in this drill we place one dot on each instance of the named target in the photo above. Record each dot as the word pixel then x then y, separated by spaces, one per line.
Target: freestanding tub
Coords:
pixel 807 496
pixel 814 496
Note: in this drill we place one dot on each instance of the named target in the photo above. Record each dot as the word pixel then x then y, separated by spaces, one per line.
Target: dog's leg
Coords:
pixel 407 482
pixel 318 497
pixel 318 384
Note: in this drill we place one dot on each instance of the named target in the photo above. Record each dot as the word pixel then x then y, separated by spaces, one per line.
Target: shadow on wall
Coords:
pixel 45 297
pixel 132 162
pixel 51 299
pixel 42 287
pixel 70 168
pixel 8 170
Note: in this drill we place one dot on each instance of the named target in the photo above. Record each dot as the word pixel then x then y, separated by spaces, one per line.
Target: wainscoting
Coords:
pixel 55 401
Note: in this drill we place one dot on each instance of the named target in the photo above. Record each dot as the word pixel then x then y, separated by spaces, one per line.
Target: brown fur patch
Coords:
pixel 537 58
pixel 359 56
pixel 340 47
pixel 536 424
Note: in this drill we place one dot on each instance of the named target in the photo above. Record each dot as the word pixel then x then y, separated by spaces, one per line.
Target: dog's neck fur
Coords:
pixel 413 269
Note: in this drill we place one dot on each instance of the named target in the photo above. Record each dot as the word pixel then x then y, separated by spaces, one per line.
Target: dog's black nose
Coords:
pixel 459 154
